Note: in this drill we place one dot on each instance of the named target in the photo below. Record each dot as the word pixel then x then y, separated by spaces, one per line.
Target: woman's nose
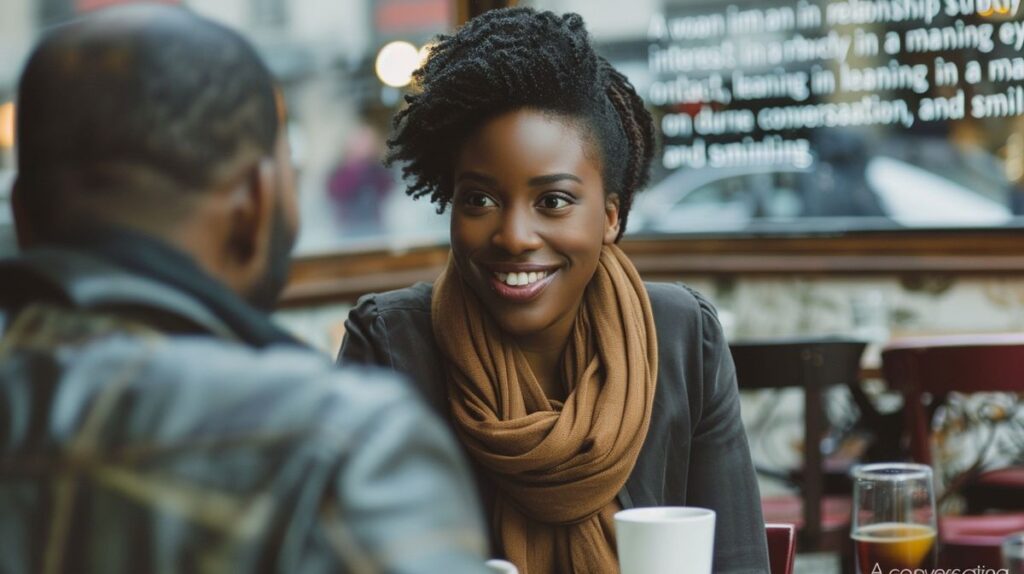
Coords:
pixel 517 232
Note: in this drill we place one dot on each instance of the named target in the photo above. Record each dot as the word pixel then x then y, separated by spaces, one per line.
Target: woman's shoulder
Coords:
pixel 681 305
pixel 414 299
pixel 393 330
pixel 687 323
pixel 380 322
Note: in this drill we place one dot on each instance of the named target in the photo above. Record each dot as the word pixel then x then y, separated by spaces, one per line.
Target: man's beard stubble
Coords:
pixel 265 292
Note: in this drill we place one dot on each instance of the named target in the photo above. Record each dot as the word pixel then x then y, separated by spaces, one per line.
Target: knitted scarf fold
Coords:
pixel 558 467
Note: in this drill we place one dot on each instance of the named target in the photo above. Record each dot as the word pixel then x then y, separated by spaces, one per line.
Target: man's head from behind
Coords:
pixel 151 118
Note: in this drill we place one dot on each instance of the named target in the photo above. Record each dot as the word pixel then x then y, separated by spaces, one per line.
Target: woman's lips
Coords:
pixel 521 293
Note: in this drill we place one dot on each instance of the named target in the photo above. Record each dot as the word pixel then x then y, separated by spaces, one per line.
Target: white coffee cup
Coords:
pixel 501 566
pixel 665 540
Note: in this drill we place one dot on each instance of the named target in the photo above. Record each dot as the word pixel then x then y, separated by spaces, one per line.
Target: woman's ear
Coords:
pixel 611 212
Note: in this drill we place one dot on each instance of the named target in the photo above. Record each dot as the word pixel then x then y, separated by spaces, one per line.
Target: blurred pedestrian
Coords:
pixel 359 186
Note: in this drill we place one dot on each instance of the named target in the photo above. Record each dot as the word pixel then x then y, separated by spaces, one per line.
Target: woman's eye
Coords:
pixel 555 201
pixel 474 199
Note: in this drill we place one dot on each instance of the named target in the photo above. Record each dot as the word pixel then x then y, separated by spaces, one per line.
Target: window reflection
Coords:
pixel 796 116
pixel 324 54
pixel 850 132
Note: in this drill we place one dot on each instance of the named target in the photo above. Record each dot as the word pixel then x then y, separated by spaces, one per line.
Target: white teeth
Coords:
pixel 520 279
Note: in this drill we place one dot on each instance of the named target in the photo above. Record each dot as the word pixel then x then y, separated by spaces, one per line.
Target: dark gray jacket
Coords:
pixel 145 426
pixel 696 450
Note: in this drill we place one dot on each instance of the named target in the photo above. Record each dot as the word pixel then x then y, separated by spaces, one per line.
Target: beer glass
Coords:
pixel 1013 553
pixel 893 523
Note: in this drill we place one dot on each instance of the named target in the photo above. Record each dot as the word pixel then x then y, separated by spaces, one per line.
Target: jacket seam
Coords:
pixel 387 341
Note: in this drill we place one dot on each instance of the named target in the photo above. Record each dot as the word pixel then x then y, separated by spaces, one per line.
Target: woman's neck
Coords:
pixel 544 352
pixel 546 366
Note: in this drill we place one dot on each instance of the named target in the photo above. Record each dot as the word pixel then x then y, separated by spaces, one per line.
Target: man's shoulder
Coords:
pixel 225 439
pixel 188 389
pixel 287 384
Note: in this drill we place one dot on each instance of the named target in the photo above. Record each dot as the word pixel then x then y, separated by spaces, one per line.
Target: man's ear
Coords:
pixel 23 230
pixel 250 216
pixel 611 212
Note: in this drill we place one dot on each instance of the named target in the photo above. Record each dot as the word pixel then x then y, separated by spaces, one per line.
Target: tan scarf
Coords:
pixel 558 467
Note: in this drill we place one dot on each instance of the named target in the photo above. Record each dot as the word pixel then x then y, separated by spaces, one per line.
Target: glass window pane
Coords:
pixel 325 55
pixel 876 115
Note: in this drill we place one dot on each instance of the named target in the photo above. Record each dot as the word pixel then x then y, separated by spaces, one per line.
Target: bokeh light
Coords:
pixel 7 125
pixel 396 62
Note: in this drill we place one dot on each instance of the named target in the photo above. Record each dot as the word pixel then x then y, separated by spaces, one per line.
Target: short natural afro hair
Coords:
pixel 511 59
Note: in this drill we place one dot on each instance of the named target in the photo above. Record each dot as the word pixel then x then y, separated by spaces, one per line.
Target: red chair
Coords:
pixel 781 547
pixel 970 541
pixel 926 370
pixel 1001 488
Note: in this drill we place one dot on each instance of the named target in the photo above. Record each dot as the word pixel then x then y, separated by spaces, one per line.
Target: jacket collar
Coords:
pixel 104 269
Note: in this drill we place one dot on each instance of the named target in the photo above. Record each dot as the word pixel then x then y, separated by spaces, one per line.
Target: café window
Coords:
pixel 805 116
pixel 775 117
pixel 344 67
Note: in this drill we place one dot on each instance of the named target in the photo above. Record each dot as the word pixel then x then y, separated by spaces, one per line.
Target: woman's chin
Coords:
pixel 516 323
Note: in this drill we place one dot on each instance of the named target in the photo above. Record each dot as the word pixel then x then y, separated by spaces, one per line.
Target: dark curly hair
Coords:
pixel 516 58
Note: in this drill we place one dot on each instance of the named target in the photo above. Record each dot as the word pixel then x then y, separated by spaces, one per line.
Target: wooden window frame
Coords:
pixel 345 276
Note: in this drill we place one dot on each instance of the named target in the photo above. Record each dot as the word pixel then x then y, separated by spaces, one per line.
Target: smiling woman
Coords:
pixel 529 201
pixel 578 389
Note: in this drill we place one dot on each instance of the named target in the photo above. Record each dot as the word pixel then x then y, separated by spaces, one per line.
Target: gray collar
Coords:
pixel 87 282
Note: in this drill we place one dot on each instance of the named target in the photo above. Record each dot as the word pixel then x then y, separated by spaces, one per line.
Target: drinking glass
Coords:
pixel 1013 553
pixel 893 524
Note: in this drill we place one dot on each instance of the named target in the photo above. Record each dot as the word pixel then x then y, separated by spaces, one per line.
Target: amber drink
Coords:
pixel 893 517
pixel 895 546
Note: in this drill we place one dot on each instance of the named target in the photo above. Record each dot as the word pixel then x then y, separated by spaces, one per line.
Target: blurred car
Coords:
pixel 880 192
pixel 915 197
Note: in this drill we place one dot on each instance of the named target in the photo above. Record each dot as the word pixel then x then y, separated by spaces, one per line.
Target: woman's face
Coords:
pixel 529 219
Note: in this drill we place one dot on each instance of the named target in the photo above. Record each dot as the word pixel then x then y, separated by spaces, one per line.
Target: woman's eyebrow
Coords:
pixel 553 178
pixel 477 177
